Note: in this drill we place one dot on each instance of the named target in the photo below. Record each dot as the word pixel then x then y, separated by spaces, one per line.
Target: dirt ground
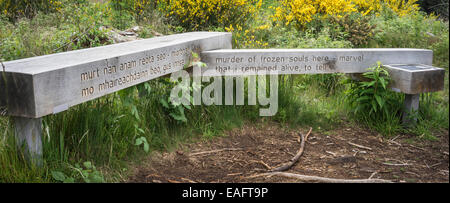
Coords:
pixel 250 151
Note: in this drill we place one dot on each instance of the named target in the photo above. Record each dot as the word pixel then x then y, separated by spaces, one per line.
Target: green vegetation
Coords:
pixel 373 103
pixel 113 131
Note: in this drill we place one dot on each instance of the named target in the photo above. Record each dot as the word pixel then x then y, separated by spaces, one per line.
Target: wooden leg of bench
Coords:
pixel 28 132
pixel 411 109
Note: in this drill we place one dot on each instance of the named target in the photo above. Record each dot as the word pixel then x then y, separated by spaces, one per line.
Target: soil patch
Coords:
pixel 350 152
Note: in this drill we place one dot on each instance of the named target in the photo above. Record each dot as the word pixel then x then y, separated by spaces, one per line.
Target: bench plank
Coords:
pixel 43 85
pixel 306 61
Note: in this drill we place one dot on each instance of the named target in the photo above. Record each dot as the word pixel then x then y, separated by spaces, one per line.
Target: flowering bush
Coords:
pixel 249 38
pixel 301 12
pixel 200 14
pixel 400 7
pixel 357 28
pixel 14 9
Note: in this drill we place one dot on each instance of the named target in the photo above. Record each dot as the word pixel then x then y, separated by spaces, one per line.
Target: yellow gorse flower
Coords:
pixel 194 14
pixel 13 9
pixel 301 12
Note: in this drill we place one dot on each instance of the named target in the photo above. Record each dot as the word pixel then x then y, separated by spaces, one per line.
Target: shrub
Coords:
pixel 50 33
pixel 202 14
pixel 416 30
pixel 301 12
pixel 400 7
pixel 250 38
pixel 136 8
pixel 14 9
pixel 370 99
pixel 357 28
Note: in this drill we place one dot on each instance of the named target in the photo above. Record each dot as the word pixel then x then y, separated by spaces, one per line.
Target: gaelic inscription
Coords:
pixel 133 71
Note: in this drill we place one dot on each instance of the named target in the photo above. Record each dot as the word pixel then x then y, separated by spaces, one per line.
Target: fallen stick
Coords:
pixel 403 164
pixel 417 147
pixel 436 164
pixel 234 174
pixel 189 180
pixel 394 138
pixel 373 174
pixel 264 164
pixel 256 175
pixel 214 151
pixel 326 180
pixel 394 142
pixel 413 173
pixel 359 146
pixel 332 153
pixel 289 164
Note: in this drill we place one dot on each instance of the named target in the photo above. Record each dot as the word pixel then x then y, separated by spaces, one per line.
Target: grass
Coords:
pixel 103 131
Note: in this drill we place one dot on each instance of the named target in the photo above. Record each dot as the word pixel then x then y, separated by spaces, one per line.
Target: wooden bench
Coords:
pixel 35 87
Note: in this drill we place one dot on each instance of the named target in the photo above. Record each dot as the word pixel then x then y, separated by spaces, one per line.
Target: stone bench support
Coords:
pixel 28 133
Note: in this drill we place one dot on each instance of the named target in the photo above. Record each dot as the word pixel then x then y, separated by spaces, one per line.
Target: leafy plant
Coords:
pixel 371 98
pixel 61 177
pixel 87 172
pixel 357 27
pixel 177 108
pixel 134 8
pixel 142 141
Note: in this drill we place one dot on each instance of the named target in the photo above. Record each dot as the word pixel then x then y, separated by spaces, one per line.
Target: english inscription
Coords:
pixel 304 61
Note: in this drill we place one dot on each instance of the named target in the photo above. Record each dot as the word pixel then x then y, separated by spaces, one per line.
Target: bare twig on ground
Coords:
pixel 359 146
pixel 404 164
pixel 321 179
pixel 373 174
pixel 394 142
pixel 256 175
pixel 394 138
pixel 296 157
pixel 188 180
pixel 417 147
pixel 214 151
pixel 234 174
pixel 332 153
pixel 173 181
pixel 262 162
pixel 426 165
pixel 413 173
pixel 436 164
pixel 152 175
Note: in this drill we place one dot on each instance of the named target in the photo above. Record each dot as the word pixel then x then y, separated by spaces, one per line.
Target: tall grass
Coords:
pixel 13 166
